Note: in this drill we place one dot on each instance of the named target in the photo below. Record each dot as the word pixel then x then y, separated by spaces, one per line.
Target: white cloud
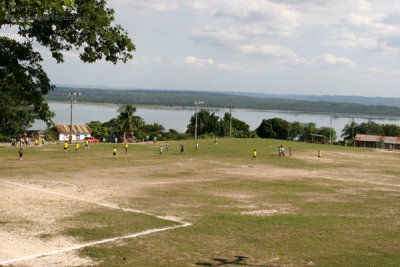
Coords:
pixel 216 35
pixel 268 18
pixel 371 23
pixel 160 5
pixel 331 60
pixel 209 63
pixel 350 40
pixel 271 51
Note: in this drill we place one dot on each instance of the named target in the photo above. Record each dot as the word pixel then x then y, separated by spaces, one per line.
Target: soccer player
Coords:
pixel 115 153
pixel 319 154
pixel 182 149
pixel 65 146
pixel 161 150
pixel 155 139
pixel 166 146
pixel 254 154
pixel 43 142
pixel 87 144
pixel 147 139
pixel 36 142
pixel 21 153
pixel 126 148
pixel 76 147
pixel 283 150
pixel 197 146
pixel 290 152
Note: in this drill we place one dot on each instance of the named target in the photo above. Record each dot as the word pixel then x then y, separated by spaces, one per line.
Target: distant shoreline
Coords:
pixel 364 116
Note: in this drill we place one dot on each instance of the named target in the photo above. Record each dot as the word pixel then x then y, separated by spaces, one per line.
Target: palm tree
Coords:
pixel 128 122
pixel 349 131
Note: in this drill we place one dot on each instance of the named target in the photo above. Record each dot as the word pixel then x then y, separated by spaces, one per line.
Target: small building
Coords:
pixel 79 132
pixel 376 141
pixel 35 134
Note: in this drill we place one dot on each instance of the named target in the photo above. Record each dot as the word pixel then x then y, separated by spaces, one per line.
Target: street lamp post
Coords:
pixel 71 96
pixel 197 103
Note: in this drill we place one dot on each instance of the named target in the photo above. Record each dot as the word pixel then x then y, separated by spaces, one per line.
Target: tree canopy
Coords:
pixel 211 124
pixel 60 25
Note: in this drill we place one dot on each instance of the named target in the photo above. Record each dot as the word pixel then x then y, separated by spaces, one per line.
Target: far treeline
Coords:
pixel 127 126
pixel 186 98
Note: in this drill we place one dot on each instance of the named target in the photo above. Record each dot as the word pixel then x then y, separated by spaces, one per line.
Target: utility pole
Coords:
pixel 197 103
pixel 352 131
pixel 71 96
pixel 330 132
pixel 230 122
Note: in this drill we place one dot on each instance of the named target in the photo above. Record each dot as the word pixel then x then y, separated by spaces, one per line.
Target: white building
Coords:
pixel 79 132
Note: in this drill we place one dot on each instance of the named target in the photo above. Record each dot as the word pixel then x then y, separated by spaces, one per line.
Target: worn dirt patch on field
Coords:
pixel 33 228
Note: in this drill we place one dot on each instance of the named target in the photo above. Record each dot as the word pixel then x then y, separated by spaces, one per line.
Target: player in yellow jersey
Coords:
pixel 319 154
pixel 86 144
pixel 254 154
pixel 36 142
pixel 65 146
pixel 115 153
pixel 76 147
pixel 126 148
pixel 43 141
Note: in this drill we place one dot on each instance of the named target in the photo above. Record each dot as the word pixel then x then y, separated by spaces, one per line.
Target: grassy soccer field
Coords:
pixel 341 210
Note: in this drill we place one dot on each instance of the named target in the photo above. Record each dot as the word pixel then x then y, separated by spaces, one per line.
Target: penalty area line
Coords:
pixel 146 232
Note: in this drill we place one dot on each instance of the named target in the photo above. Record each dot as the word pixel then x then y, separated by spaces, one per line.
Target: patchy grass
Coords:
pixel 104 223
pixel 342 210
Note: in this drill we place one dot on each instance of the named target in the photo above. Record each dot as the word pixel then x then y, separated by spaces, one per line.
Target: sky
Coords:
pixel 322 47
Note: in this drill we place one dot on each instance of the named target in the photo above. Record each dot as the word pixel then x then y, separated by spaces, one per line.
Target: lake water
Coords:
pixel 179 118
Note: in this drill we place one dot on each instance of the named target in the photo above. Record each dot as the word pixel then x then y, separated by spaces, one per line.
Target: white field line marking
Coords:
pixel 146 232
pixel 93 202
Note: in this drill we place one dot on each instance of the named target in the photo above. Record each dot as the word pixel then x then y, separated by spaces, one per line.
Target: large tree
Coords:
pixel 273 128
pixel 349 132
pixel 240 129
pixel 391 130
pixel 60 25
pixel 207 123
pixel 128 122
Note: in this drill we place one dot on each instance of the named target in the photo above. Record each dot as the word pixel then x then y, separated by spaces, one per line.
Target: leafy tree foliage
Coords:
pixel 22 84
pixel 211 124
pixel 207 123
pixel 240 129
pixel 328 133
pixel 128 122
pixel 349 132
pixel 59 25
pixel 273 128
pixel 154 130
pixel 370 127
pixel 295 130
pixel 99 130
pixel 310 128
pixel 175 135
pixel 391 130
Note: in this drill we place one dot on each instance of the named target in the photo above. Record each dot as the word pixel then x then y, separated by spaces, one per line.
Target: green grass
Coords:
pixel 329 221
pixel 105 223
